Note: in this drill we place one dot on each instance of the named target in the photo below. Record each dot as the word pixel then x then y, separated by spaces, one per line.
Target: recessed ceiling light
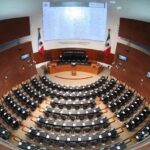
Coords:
pixel 112 2
pixel 119 7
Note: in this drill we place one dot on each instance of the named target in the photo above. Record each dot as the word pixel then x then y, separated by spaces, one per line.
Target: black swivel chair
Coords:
pixel 77 129
pixel 67 129
pixel 87 129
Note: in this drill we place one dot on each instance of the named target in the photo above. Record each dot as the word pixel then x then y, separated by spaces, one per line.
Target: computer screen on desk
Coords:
pixel 122 57
pixel 25 56
pixel 148 75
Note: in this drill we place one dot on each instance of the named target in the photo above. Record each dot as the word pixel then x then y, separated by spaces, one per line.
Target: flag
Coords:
pixel 107 45
pixel 40 44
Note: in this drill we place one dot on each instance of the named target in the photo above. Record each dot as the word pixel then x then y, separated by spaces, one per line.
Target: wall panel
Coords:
pixel 135 30
pixel 54 54
pixel 15 28
pixel 133 72
pixel 13 69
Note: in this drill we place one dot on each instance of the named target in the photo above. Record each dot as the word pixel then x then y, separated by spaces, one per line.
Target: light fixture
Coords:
pixel 112 2
pixel 6 77
pixel 118 7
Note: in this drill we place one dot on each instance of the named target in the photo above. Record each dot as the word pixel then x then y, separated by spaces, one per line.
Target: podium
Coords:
pixel 91 68
pixel 73 72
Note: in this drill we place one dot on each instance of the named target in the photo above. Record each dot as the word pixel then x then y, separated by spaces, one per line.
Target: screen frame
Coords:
pixel 46 37
pixel 148 75
pixel 25 56
pixel 122 57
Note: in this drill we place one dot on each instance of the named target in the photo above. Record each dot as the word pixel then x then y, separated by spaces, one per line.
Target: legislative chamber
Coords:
pixel 68 82
pixel 74 60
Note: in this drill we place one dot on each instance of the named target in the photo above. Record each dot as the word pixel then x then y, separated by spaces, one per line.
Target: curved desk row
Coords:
pixel 102 137
pixel 64 111
pixel 73 102
pixel 69 123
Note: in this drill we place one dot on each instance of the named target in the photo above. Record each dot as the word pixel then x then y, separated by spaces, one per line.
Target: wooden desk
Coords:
pixel 93 68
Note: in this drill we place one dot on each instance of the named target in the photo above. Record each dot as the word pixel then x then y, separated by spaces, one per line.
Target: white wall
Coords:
pixel 112 23
pixel 36 22
pixel 33 8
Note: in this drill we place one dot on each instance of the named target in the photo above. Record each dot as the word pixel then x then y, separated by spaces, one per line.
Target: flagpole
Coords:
pixel 38 29
pixel 40 45
pixel 107 44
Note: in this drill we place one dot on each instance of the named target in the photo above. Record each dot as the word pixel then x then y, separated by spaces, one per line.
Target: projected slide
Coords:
pixel 79 23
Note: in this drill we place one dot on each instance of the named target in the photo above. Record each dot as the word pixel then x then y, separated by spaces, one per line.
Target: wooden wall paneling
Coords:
pixel 13 69
pixel 37 58
pixel 15 28
pixel 135 30
pixel 94 55
pixel 55 53
pixel 134 71
pixel 109 59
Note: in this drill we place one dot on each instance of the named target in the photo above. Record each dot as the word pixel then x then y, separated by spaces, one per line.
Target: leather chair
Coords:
pixel 96 127
pixel 48 141
pixel 55 116
pixel 67 129
pixel 90 116
pixel 72 117
pixel 60 106
pixel 72 144
pixel 32 133
pixel 68 107
pixel 81 117
pixel 112 134
pixel 63 117
pixel 83 144
pixel 4 134
pixel 57 128
pixel 77 129
pixel 87 128
pixel 61 144
pixel 93 142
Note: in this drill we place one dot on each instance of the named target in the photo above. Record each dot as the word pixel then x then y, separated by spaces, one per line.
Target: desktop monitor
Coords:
pixel 25 56
pixel 148 75
pixel 122 57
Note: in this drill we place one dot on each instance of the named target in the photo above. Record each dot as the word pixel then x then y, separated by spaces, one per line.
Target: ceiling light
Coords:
pixel 119 7
pixel 112 2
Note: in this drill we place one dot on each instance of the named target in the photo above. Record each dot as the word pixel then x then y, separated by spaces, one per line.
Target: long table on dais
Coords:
pixel 92 68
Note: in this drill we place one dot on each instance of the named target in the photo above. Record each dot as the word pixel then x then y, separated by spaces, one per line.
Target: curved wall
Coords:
pixel 36 22
pixel 94 55
pixel 15 28
pixel 13 70
pixel 133 71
